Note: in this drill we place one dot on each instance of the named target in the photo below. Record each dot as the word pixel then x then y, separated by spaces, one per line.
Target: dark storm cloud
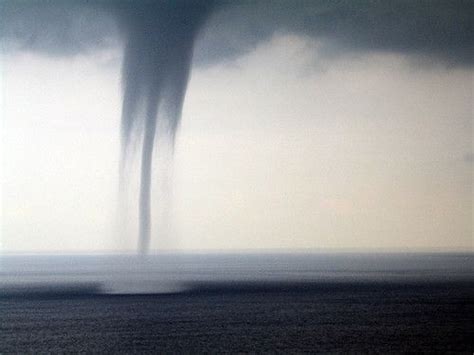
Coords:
pixel 56 27
pixel 439 29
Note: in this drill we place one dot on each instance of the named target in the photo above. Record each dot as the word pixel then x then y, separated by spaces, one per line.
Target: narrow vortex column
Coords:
pixel 160 38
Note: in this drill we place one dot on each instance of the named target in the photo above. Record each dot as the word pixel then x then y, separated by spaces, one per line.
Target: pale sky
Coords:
pixel 280 148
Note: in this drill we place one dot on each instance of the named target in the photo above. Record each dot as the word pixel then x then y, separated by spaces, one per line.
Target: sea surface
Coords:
pixel 326 302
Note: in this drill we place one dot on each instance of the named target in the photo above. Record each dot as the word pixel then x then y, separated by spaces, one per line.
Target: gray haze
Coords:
pixel 159 39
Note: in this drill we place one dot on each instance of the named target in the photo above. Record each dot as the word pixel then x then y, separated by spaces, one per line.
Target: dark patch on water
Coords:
pixel 50 291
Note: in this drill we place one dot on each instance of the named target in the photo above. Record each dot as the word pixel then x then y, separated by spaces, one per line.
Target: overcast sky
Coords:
pixel 280 147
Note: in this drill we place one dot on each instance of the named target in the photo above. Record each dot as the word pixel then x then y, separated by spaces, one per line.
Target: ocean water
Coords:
pixel 317 303
pixel 171 273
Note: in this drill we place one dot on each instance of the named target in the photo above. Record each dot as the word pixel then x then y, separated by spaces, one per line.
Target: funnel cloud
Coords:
pixel 158 54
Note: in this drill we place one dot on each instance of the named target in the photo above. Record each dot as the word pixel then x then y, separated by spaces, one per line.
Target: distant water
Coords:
pixel 172 273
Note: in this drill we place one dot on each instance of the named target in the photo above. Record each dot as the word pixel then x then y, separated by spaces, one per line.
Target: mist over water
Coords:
pixel 171 273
